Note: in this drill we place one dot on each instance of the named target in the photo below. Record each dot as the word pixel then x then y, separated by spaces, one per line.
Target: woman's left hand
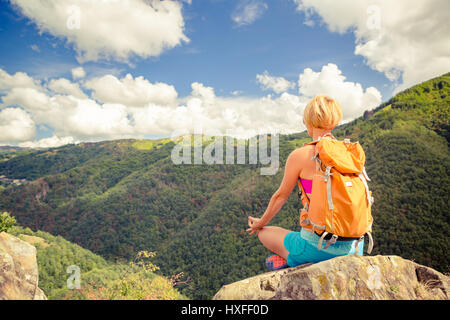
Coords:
pixel 255 225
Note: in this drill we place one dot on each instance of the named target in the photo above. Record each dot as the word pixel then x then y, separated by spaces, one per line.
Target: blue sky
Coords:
pixel 278 37
pixel 220 54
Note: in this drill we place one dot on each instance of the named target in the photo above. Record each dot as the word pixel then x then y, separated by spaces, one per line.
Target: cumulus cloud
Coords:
pixel 131 107
pixel 407 40
pixel 31 99
pixel 91 120
pixel 109 29
pixel 18 80
pixel 16 125
pixel 353 98
pixel 248 11
pixel 131 91
pixel 64 86
pixel 50 142
pixel 276 84
pixel 202 92
pixel 60 104
pixel 237 116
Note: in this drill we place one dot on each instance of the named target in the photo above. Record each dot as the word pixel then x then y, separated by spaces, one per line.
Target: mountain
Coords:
pixel 120 197
pixel 11 149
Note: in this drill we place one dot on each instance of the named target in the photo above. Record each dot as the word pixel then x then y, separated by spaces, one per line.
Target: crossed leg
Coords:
pixel 273 239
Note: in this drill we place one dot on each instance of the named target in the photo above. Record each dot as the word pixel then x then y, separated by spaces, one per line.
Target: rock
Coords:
pixel 348 277
pixel 18 270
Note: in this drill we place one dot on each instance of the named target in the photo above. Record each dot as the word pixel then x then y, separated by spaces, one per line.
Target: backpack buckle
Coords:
pixel 331 241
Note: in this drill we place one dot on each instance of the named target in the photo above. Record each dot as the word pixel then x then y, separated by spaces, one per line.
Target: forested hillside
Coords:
pixel 120 197
pixel 99 279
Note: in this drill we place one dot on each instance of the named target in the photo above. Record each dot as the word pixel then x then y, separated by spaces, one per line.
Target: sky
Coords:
pixel 93 70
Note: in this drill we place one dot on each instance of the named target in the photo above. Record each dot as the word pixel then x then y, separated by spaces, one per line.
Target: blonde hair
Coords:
pixel 322 112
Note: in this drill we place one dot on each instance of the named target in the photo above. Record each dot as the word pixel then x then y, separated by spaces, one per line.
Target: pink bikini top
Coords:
pixel 307 185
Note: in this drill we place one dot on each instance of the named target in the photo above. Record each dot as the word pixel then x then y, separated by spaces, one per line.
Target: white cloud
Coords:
pixel 51 142
pixel 238 116
pixel 30 99
pixel 204 93
pixel 407 40
pixel 248 11
pixel 18 80
pixel 64 86
pixel 131 91
pixel 132 107
pixel 276 84
pixel 62 105
pixel 109 29
pixel 353 98
pixel 78 73
pixel 16 125
pixel 89 120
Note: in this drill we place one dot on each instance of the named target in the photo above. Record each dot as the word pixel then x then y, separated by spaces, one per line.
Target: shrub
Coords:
pixel 6 222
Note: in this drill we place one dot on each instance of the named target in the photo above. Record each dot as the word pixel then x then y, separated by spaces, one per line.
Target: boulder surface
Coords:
pixel 18 270
pixel 348 277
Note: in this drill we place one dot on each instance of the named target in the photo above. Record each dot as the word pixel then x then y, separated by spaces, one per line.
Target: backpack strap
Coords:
pixel 330 242
pixel 370 247
pixel 335 238
pixel 365 174
pixel 328 134
pixel 319 245
pixel 362 175
pixel 328 181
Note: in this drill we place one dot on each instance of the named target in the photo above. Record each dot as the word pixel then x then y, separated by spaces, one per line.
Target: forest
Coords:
pixel 118 198
pixel 99 279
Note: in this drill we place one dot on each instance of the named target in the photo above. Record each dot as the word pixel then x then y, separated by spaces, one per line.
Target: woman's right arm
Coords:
pixel 292 171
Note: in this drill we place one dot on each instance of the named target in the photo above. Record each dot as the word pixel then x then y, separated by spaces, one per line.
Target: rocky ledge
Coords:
pixel 349 277
pixel 18 270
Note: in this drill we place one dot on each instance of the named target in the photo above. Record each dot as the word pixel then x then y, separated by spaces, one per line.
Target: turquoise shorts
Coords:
pixel 302 247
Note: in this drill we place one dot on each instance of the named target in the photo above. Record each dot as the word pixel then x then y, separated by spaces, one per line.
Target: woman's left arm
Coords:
pixel 291 175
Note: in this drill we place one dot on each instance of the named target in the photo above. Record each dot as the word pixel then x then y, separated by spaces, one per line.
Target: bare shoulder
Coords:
pixel 303 152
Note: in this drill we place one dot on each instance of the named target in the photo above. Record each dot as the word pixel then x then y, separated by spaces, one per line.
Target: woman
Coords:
pixel 321 115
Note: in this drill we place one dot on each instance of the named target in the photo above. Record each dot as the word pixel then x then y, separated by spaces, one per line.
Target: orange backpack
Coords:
pixel 340 204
